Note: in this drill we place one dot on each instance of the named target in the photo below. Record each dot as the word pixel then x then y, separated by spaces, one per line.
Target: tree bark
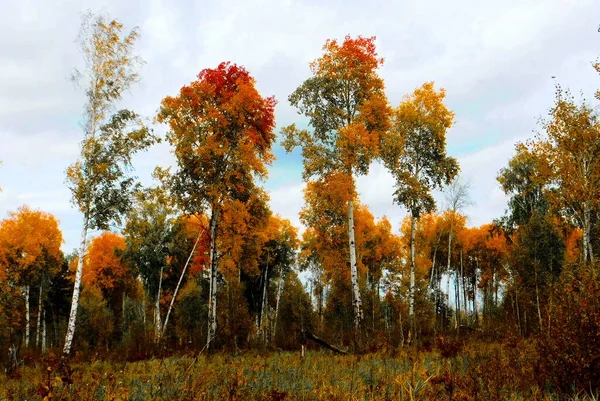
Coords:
pixel 44 332
pixel 537 299
pixel 27 315
pixel 76 291
pixel 157 318
pixel 277 299
pixel 39 317
pixel 356 298
pixel 587 227
pixel 411 311
pixel 212 299
pixel 263 304
pixel 462 279
pixel 448 266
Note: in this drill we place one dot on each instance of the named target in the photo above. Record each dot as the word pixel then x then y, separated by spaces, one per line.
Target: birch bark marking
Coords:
pixel 27 316
pixel 212 300
pixel 411 312
pixel 76 290
pixel 356 298
pixel 39 317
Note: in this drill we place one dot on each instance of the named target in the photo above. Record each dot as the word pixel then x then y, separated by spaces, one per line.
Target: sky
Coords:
pixel 496 61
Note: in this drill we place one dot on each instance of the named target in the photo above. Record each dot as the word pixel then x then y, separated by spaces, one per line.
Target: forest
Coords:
pixel 194 289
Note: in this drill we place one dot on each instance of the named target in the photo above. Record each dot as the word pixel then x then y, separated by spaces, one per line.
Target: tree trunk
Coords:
pixel 457 300
pixel 537 299
pixel 518 312
pixel 356 298
pixel 76 290
pixel 476 314
pixel 263 304
pixel 25 290
pixel 587 228
pixel 212 299
pixel 462 279
pixel 164 326
pixel 277 299
pixel 448 267
pixel 157 318
pixel 44 332
pixel 39 317
pixel 411 311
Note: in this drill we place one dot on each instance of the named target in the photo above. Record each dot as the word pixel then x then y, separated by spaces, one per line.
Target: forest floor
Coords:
pixel 476 373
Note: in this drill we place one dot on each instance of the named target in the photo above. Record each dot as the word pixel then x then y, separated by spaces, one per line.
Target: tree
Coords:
pixel 222 131
pixel 148 233
pixel 569 156
pixel 277 258
pixel 525 183
pixel 457 198
pixel 30 256
pixel 348 111
pixel 415 153
pixel 99 180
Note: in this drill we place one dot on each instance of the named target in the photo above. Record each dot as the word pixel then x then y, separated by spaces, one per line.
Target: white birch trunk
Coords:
pixel 27 315
pixel 356 298
pixel 263 308
pixel 212 299
pixel 411 310
pixel 277 299
pixel 448 266
pixel 157 318
pixel 587 226
pixel 44 332
pixel 76 291
pixel 39 317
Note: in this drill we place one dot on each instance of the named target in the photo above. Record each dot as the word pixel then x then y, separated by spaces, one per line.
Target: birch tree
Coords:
pixel 347 109
pixel 99 180
pixel 148 233
pixel 457 199
pixel 415 153
pixel 568 155
pixel 221 129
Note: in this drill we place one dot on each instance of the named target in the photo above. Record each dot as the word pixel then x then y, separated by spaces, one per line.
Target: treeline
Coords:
pixel 201 262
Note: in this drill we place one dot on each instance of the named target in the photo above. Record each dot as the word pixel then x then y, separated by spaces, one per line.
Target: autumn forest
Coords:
pixel 194 289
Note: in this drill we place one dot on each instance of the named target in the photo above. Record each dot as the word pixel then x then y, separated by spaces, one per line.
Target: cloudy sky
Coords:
pixel 495 59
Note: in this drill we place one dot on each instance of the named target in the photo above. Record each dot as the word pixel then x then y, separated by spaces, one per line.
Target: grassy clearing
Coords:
pixel 476 374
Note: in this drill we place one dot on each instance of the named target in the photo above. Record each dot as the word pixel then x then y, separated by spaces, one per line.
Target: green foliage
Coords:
pixel 96 320
pixel 295 313
pixel 99 181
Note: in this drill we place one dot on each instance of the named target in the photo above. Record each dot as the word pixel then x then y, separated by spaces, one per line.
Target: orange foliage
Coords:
pixel 103 266
pixel 30 241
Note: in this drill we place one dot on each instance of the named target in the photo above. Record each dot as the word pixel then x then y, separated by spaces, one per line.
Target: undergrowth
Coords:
pixel 470 372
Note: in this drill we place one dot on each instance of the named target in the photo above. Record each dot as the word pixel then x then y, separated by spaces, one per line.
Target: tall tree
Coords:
pixel 415 153
pixel 347 109
pixel 99 179
pixel 569 155
pixel 457 199
pixel 222 131
pixel 525 183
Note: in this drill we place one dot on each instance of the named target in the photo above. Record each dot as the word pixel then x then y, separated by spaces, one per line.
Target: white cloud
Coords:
pixel 494 58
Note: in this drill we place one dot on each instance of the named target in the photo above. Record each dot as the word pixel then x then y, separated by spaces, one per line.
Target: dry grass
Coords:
pixel 475 373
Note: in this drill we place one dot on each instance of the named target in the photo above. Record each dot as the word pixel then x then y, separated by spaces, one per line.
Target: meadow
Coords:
pixel 457 372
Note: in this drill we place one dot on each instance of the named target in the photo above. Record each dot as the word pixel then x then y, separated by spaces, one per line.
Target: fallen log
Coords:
pixel 310 336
